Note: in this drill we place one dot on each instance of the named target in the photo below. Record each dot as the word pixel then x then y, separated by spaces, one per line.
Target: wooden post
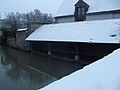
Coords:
pixel 49 49
pixel 76 53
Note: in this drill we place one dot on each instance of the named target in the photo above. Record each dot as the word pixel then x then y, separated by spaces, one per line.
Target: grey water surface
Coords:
pixel 21 70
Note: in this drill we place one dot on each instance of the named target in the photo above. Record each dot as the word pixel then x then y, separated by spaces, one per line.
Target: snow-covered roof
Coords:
pixel 101 31
pixel 103 74
pixel 102 5
pixel 68 8
pixel 23 29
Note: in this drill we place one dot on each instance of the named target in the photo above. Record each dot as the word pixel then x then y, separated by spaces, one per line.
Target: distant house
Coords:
pixel 0 30
pixel 0 26
pixel 1 22
pixel 80 10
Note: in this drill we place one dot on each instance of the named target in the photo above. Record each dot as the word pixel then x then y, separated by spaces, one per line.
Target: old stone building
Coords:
pixel 80 10
pixel 17 38
pixel 84 30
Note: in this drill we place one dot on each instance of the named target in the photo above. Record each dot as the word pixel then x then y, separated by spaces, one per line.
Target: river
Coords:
pixel 21 70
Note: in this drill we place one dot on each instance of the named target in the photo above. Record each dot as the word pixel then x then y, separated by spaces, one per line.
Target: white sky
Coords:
pixel 45 6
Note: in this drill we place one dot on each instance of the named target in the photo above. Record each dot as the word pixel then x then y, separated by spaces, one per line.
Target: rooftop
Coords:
pixel 67 6
pixel 101 31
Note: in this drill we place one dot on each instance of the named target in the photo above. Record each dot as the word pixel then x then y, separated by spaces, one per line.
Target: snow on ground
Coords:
pixel 101 31
pixel 103 74
pixel 68 8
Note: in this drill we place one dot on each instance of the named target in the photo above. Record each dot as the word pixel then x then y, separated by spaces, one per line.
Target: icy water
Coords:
pixel 26 71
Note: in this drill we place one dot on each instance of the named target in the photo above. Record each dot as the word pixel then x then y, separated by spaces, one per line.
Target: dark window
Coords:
pixel 79 12
pixel 83 10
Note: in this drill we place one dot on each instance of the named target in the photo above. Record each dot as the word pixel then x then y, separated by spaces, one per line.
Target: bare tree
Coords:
pixel 37 16
pixel 19 20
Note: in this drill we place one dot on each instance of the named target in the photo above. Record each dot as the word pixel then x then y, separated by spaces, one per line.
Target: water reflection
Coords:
pixel 25 71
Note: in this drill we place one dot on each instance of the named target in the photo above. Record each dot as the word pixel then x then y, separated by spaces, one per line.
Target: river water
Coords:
pixel 21 70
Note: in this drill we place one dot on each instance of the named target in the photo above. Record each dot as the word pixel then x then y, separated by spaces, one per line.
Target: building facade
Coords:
pixel 84 30
pixel 86 10
pixel 78 41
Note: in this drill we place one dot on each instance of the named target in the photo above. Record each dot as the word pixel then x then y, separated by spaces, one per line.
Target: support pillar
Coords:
pixel 49 49
pixel 77 57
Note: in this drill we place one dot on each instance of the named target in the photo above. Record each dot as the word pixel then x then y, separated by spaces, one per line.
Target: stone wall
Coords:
pixel 90 17
pixel 21 43
pixel 18 41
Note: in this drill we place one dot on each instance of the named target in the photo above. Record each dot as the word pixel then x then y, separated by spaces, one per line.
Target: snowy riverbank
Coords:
pixel 103 74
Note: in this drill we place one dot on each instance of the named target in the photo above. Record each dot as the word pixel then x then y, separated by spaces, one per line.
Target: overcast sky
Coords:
pixel 46 6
